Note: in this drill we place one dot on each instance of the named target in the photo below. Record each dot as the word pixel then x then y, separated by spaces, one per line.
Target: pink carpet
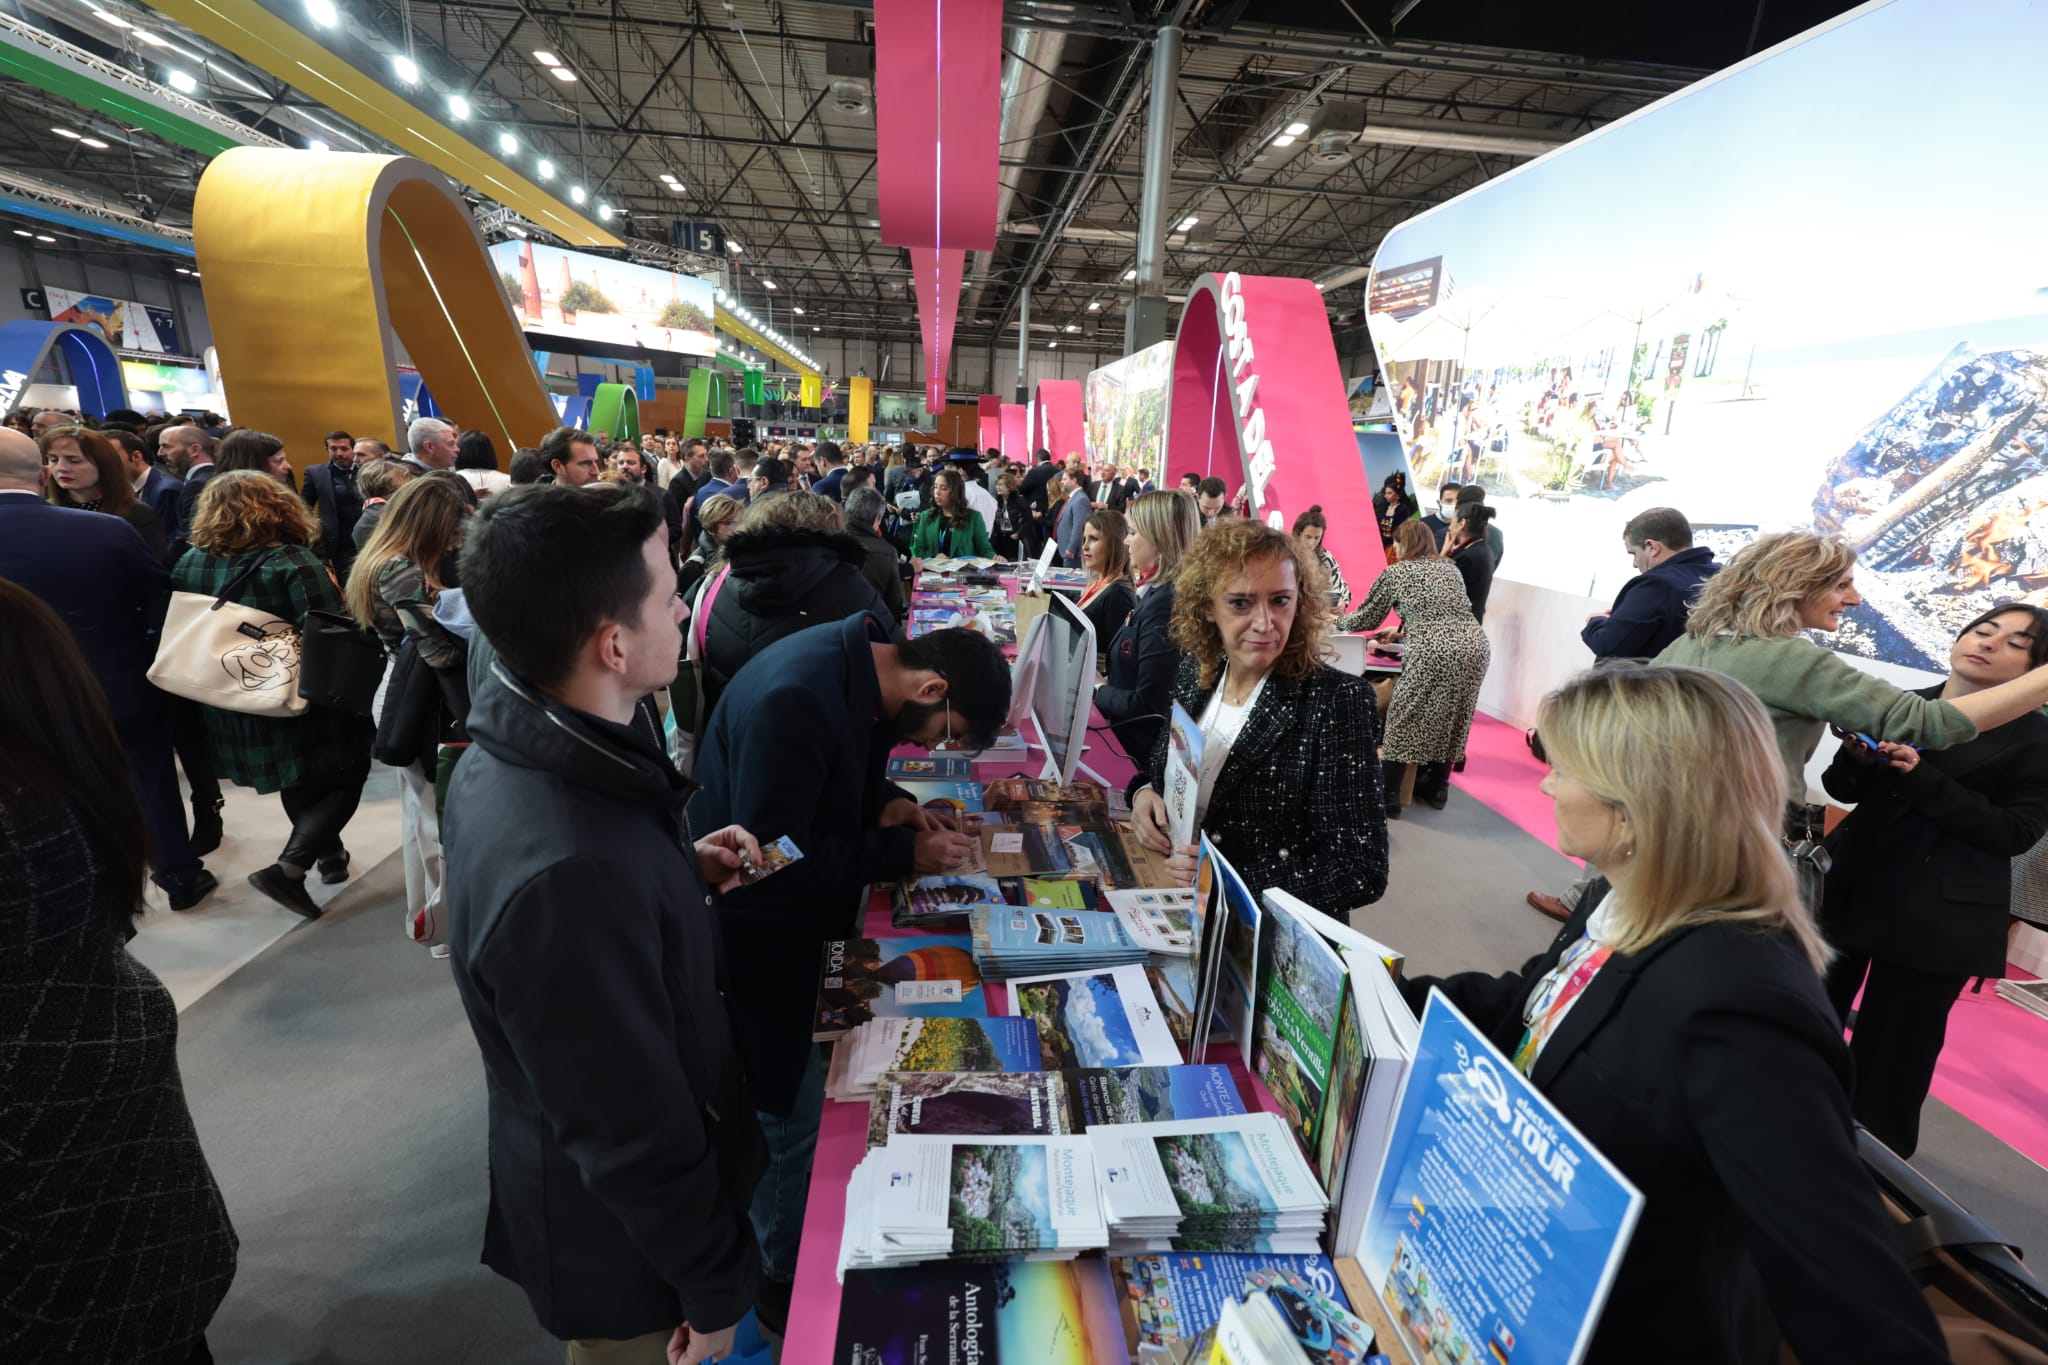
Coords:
pixel 1990 1071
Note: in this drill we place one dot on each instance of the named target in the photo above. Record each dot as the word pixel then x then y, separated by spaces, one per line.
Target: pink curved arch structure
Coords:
pixel 1258 400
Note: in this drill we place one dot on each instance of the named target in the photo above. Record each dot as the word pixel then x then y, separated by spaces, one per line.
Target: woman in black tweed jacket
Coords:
pixel 1295 800
pixel 114 1242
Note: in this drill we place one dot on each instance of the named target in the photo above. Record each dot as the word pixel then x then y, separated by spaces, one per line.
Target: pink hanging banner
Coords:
pixel 935 276
pixel 1060 429
pixel 938 116
pixel 989 430
pixel 1016 423
pixel 1258 400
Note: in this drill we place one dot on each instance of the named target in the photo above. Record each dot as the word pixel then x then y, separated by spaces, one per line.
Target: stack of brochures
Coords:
pixel 1171 1305
pixel 1161 920
pixel 1221 1184
pixel 1018 940
pixel 944 901
pixel 2028 995
pixel 1101 1018
pixel 1044 1103
pixel 919 1199
pixel 863 1056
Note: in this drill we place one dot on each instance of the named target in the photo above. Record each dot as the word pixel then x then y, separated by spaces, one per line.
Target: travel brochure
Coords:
pixel 1222 1184
pixel 946 901
pixel 1061 844
pixel 1016 940
pixel 868 978
pixel 1173 986
pixel 1237 994
pixel 939 768
pixel 1000 1313
pixel 1105 1018
pixel 1160 920
pixel 862 1057
pixel 1495 1229
pixel 1043 1103
pixel 1171 1302
pixel 939 1198
pixel 1183 777
pixel 1301 994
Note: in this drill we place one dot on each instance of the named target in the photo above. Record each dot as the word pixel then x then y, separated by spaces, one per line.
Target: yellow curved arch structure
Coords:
pixel 316 264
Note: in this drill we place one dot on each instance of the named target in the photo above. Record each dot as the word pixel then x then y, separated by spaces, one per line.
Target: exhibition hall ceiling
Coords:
pixel 758 118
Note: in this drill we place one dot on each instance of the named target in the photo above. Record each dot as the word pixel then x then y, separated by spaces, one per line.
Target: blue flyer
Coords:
pixel 1496 1229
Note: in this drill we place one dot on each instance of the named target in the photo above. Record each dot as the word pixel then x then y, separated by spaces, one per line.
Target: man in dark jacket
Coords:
pixel 336 502
pixel 1037 485
pixel 882 567
pixel 834 464
pixel 798 747
pixel 623 1145
pixel 1649 611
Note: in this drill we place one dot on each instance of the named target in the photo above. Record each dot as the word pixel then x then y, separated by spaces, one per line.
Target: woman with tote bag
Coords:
pixel 252 528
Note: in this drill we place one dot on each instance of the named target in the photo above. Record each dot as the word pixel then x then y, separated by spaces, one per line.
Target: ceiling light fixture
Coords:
pixel 408 70
pixel 93 143
pixel 1284 140
pixel 1073 327
pixel 561 73
pixel 677 187
pixel 576 195
pixel 65 132
pixel 546 170
pixel 116 20
pixel 45 237
pixel 732 244
pixel 314 144
pixel 1187 223
pixel 181 81
pixel 1130 275
pixel 143 35
pixel 458 107
pixel 1296 128
pixel 1095 305
pixel 769 283
pixel 669 176
pixel 604 213
pixel 507 144
pixel 545 57
pixel 24 232
pixel 323 13
pixel 1319 286
pixel 1052 345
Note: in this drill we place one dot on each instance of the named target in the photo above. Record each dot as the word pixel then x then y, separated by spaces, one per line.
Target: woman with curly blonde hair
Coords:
pixel 252 534
pixel 1290 786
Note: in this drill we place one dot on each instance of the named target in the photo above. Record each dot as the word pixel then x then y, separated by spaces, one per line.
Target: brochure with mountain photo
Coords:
pixel 881 1046
pixel 1301 998
pixel 1045 1103
pixel 1096 1019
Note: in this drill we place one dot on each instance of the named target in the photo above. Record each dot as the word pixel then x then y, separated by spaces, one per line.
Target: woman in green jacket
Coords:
pixel 317 761
pixel 949 527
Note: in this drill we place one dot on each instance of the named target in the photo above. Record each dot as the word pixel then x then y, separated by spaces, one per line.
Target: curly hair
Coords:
pixel 1758 594
pixel 242 510
pixel 1216 559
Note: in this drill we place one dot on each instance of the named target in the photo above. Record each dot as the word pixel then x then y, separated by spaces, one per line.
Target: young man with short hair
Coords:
pixel 1439 521
pixel 570 454
pixel 623 1146
pixel 1210 495
pixel 798 745
pixel 1650 610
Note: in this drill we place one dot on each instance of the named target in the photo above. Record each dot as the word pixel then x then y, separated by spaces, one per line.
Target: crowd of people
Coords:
pixel 652 657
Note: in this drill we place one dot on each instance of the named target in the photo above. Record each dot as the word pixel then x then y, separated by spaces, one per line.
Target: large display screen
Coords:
pixel 594 298
pixel 1125 402
pixel 1769 302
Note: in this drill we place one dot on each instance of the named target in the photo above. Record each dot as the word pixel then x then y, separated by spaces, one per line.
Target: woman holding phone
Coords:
pixel 1921 890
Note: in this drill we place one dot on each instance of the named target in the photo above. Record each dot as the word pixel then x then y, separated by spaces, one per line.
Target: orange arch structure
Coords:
pixel 316 265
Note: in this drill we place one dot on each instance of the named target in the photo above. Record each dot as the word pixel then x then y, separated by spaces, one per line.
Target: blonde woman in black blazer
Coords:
pixel 1679 1022
pixel 1292 784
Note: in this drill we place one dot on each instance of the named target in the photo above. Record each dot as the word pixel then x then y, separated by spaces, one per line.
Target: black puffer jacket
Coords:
pixel 782 581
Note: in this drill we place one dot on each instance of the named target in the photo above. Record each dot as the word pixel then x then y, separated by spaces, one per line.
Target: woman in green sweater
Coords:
pixel 1746 625
pixel 949 527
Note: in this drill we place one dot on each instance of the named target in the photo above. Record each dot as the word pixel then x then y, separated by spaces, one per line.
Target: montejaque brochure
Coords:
pixel 1044 1103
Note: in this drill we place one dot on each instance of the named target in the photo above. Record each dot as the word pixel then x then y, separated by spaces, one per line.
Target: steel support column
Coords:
pixel 1023 343
pixel 1145 322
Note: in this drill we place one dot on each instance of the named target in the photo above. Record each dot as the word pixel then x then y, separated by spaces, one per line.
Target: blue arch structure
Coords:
pixel 415 399
pixel 25 347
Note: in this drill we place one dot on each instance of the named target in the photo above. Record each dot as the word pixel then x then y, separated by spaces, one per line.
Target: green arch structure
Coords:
pixel 706 399
pixel 615 411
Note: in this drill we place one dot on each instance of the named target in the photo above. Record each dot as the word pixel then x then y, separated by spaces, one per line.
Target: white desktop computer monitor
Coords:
pixel 1053 685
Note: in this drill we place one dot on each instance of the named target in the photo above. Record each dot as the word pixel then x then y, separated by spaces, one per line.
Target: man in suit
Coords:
pixel 798 744
pixel 1074 513
pixel 336 501
pixel 189 453
pixel 157 490
pixel 1037 481
pixel 95 573
pixel 834 464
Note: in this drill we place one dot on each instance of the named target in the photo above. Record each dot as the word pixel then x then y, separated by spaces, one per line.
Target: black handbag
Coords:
pixel 409 730
pixel 340 663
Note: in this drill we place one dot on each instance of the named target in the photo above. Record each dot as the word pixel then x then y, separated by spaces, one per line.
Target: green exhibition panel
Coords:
pixel 615 411
pixel 703 384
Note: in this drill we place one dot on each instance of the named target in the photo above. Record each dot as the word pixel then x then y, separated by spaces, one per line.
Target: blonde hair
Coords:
pixel 1760 591
pixel 422 525
pixel 792 512
pixel 1218 556
pixel 242 510
pixel 1116 555
pixel 1707 847
pixel 717 510
pixel 1171 522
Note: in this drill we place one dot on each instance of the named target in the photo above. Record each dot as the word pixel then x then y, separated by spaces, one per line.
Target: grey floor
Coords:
pixel 340 1100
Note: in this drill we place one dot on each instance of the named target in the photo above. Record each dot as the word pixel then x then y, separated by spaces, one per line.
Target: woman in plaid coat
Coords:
pixel 318 761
